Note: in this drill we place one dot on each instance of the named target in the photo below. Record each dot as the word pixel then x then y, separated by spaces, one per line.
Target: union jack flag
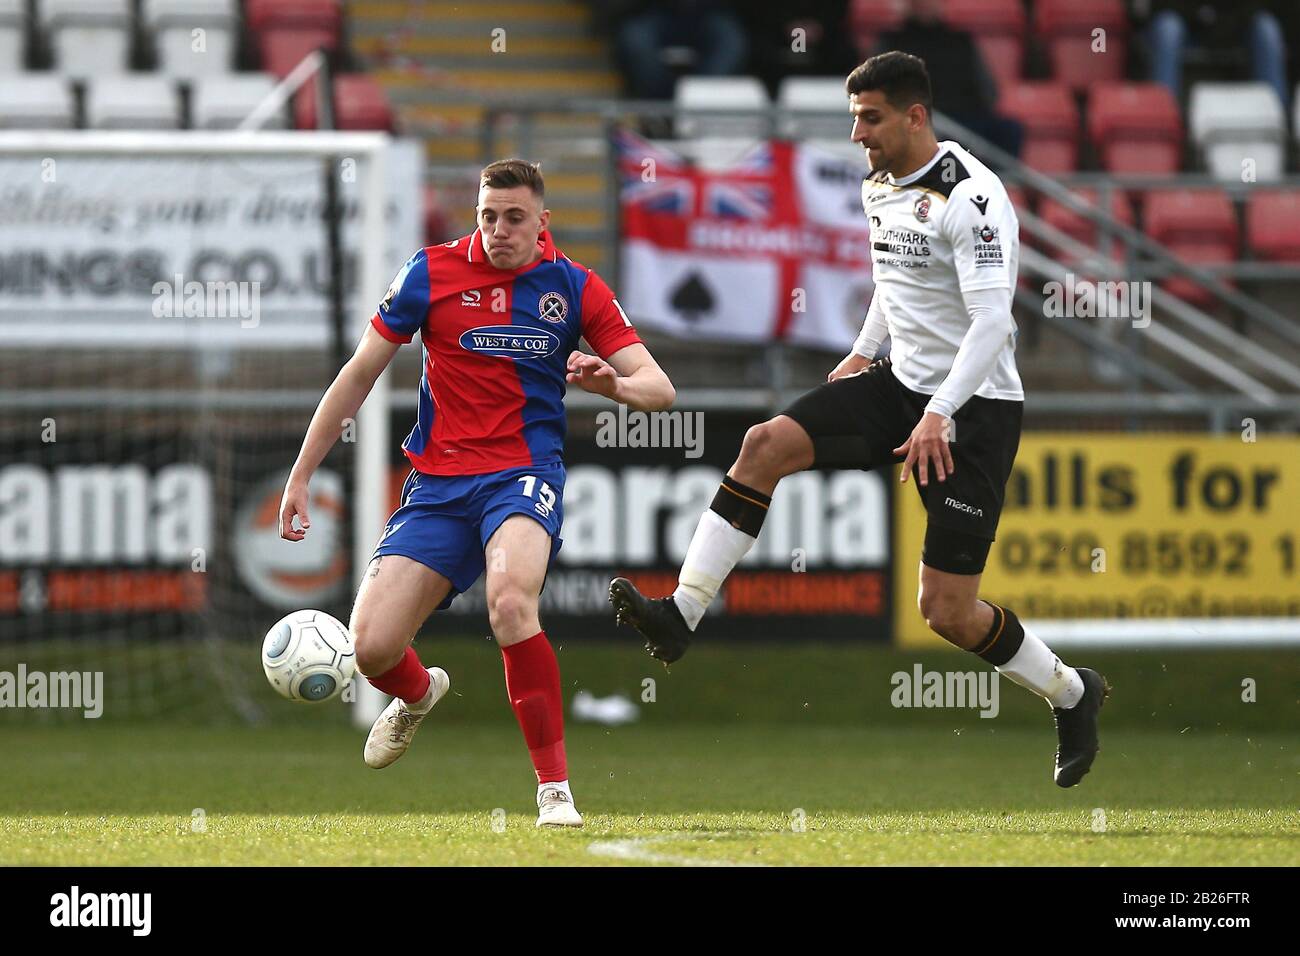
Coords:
pixel 652 177
pixel 667 194
pixel 731 200
pixel 745 190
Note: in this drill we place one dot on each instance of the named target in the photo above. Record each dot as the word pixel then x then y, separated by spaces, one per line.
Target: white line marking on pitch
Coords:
pixel 637 850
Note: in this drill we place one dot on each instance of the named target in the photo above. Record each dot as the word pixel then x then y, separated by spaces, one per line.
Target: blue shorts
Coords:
pixel 445 521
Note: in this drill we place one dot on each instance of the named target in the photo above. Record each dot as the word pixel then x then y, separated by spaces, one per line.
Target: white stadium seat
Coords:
pixel 157 13
pixel 1227 160
pixel 88 37
pixel 819 108
pixel 173 24
pixel 83 52
pixel 142 101
pixel 36 101
pixel 221 102
pixel 12 33
pixel 1234 122
pixel 180 53
pixel 55 13
pixel 11 49
pixel 728 93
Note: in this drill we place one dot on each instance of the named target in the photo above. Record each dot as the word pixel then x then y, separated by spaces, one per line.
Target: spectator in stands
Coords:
pixel 810 38
pixel 963 87
pixel 658 41
pixel 1220 29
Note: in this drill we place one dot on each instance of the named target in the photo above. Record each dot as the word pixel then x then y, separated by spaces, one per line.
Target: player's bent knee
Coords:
pixel 754 446
pixel 945 626
pixel 768 448
pixel 377 652
pixel 510 611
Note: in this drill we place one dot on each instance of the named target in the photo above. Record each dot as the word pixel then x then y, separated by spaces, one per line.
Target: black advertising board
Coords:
pixel 106 530
pixel 636 486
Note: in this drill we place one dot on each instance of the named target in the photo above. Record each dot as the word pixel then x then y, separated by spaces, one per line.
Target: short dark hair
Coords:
pixel 902 77
pixel 508 173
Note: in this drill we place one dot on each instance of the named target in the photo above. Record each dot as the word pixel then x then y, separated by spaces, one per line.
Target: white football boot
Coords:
pixel 392 732
pixel 555 806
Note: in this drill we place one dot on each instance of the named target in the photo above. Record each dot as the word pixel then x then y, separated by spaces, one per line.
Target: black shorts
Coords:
pixel 858 421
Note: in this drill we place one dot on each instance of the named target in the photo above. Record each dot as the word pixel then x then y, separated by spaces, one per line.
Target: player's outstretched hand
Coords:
pixel 851 364
pixel 928 443
pixel 294 504
pixel 593 374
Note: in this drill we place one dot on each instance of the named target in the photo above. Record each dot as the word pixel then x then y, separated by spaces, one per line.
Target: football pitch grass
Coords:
pixel 729 794
pixel 711 775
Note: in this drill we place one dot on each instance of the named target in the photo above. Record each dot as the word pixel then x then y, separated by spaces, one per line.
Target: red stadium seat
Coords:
pixel 262 15
pixel 1136 127
pixel 870 18
pixel 1067 28
pixel 1199 255
pixel 1199 214
pixel 359 103
pixel 1199 226
pixel 282 50
pixel 1051 121
pixel 1273 225
pixel 999 30
pixel 1080 227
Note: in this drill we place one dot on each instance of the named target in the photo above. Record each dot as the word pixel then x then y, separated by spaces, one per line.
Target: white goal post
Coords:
pixel 368 151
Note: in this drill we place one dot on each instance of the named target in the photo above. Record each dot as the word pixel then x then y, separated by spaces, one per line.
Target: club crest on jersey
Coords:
pixel 552 307
pixel 922 209
pixel 988 248
pixel 518 342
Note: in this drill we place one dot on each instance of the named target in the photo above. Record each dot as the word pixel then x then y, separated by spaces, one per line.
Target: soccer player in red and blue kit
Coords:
pixel 499 314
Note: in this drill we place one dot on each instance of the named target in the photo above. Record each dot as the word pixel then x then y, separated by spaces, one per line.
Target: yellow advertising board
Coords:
pixel 1131 526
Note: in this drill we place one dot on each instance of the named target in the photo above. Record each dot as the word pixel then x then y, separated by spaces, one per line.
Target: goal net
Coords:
pixel 166 329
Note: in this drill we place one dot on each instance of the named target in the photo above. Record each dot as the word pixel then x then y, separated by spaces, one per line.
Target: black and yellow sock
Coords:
pixel 1004 637
pixel 741 506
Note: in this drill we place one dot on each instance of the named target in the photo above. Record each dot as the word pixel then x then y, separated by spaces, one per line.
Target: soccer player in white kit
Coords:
pixel 947 402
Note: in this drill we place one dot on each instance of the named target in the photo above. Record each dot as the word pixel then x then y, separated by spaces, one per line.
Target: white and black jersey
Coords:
pixel 945 230
pixel 944 247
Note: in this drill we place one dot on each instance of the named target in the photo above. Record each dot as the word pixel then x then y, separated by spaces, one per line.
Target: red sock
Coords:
pixel 408 680
pixel 533 686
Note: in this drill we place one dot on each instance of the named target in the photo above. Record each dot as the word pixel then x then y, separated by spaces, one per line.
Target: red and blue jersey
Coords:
pixel 496 346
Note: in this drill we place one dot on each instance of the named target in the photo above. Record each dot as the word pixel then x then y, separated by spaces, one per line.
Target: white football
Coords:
pixel 308 656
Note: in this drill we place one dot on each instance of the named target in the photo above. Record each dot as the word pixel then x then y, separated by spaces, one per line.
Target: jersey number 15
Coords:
pixel 545 495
